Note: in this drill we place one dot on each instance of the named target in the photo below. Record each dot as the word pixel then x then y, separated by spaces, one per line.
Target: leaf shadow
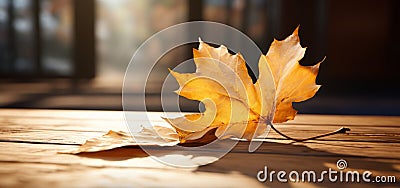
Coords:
pixel 116 154
pixel 293 157
pixel 276 156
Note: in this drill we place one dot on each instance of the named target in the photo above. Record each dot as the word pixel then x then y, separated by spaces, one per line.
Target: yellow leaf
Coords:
pixel 235 107
pixel 293 82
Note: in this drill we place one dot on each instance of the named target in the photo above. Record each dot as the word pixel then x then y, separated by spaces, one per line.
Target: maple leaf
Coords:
pixel 235 107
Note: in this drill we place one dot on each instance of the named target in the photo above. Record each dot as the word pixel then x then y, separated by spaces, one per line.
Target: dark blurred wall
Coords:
pixel 360 39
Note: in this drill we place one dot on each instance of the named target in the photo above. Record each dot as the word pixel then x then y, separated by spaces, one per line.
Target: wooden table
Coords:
pixel 31 139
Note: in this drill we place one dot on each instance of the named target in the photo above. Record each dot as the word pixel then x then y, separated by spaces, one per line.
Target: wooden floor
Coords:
pixel 31 140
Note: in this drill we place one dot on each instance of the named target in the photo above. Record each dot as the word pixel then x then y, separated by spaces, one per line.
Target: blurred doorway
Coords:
pixel 47 39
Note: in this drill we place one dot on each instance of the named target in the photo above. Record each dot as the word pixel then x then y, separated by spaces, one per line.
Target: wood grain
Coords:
pixel 31 142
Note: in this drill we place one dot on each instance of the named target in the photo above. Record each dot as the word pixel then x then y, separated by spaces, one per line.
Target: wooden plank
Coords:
pixel 49 154
pixel 64 137
pixel 55 175
pixel 69 131
pixel 63 128
pixel 347 120
pixel 340 120
pixel 323 148
pixel 255 162
pixel 382 134
pixel 102 121
pixel 78 114
pixel 373 144
pixel 34 164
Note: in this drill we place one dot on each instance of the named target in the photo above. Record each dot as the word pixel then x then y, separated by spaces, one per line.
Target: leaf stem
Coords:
pixel 341 130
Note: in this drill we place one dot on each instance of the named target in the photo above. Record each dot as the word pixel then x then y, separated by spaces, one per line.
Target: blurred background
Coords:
pixel 72 54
